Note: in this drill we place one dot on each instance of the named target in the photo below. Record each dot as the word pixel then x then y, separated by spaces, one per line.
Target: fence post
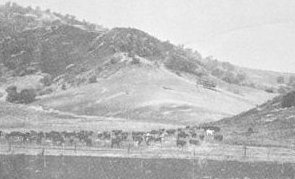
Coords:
pixel 9 146
pixel 245 150
pixel 44 158
pixel 268 152
pixel 128 150
pixel 75 147
pixel 194 164
pixel 142 167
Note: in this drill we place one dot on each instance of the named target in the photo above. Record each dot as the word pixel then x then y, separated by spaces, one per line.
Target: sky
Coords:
pixel 251 33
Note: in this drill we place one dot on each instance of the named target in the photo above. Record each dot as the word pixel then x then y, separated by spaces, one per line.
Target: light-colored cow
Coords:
pixel 210 132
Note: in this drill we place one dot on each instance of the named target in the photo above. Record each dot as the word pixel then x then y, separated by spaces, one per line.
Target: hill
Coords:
pixel 146 92
pixel 271 123
pixel 270 81
pixel 85 69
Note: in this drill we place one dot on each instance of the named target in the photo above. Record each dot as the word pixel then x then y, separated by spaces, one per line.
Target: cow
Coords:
pixel 124 135
pixel 148 139
pixel 106 135
pixel 193 134
pixel 59 140
pixel 218 137
pixel 154 132
pixel 180 143
pixel 194 142
pixel 158 139
pixel 201 137
pixel 55 137
pixel 117 132
pixel 182 134
pixel 138 139
pixel 210 132
pixel 214 128
pixel 116 141
pixel 16 136
pixel 88 142
pixel 171 131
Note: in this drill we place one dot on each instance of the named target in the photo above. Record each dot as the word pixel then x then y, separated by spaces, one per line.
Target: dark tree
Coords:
pixel 292 81
pixel 27 96
pixel 280 79
pixel 46 80
pixel 63 87
pixel 12 95
pixel 288 100
pixel 92 79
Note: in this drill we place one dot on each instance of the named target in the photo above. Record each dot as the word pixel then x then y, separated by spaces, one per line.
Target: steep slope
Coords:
pixel 273 123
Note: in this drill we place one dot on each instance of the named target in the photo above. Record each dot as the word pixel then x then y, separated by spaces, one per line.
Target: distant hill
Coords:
pixel 273 82
pixel 79 67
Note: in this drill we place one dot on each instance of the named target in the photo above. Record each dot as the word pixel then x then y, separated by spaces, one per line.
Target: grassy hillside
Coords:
pixel 82 68
pixel 25 118
pixel 272 124
pixel 270 81
pixel 153 93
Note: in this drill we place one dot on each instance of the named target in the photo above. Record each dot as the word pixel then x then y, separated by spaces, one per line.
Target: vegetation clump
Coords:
pixel 288 100
pixel 26 96
pixel 92 79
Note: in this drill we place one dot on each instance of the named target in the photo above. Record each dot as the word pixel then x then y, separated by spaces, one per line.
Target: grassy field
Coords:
pixel 25 118
pixel 153 94
pixel 25 166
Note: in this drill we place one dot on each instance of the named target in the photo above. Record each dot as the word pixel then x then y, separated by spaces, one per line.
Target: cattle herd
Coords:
pixel 181 137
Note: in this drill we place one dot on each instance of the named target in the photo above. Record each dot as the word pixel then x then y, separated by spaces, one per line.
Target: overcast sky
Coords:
pixel 251 33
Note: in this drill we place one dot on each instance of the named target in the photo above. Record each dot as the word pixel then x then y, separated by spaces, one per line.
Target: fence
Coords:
pixel 214 152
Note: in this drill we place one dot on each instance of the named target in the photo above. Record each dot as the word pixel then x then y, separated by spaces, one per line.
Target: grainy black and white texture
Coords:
pixel 112 98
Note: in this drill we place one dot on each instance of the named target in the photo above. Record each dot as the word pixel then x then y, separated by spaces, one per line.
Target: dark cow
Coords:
pixel 138 139
pixel 154 139
pixel 124 135
pixel 154 132
pixel 194 142
pixel 182 134
pixel 218 137
pixel 104 135
pixel 171 131
pixel 193 134
pixel 201 137
pixel 88 142
pixel 19 136
pixel 69 134
pixel 117 132
pixel 148 139
pixel 158 139
pixel 40 136
pixel 116 141
pixel 55 137
pixel 180 143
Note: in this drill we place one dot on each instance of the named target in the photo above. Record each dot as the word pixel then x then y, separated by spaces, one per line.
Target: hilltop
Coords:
pixel 85 69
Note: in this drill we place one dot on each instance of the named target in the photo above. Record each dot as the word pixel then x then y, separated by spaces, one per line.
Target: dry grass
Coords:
pixel 153 94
